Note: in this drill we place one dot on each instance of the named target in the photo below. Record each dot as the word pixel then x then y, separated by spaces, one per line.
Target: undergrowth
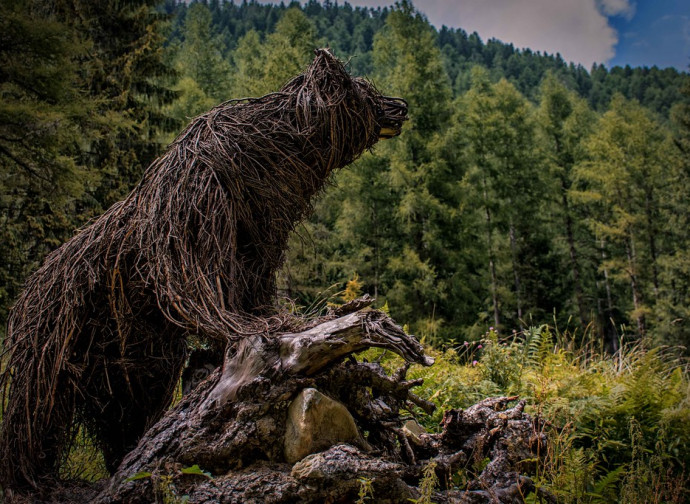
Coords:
pixel 618 425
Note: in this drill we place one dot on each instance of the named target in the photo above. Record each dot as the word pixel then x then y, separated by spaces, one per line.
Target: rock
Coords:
pixel 338 473
pixel 413 431
pixel 316 422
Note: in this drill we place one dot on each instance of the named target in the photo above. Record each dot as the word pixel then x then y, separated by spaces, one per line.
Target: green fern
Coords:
pixel 606 488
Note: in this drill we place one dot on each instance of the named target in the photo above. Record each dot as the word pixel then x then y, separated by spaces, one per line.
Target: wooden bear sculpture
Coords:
pixel 99 335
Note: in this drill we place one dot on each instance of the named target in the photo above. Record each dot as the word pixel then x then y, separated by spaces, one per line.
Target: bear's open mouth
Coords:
pixel 393 114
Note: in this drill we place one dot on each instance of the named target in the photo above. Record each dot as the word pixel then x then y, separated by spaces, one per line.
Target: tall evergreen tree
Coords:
pixel 564 122
pixel 250 66
pixel 520 184
pixel 504 171
pixel 44 121
pixel 126 72
pixel 82 85
pixel 407 62
pixel 478 129
pixel 623 180
pixel 201 55
pixel 264 67
pixel 203 69
pixel 673 307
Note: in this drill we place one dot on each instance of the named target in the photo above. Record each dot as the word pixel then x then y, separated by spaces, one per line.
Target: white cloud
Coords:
pixel 577 29
pixel 623 8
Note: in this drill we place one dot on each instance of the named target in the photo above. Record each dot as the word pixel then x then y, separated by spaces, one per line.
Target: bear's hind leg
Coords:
pixel 140 386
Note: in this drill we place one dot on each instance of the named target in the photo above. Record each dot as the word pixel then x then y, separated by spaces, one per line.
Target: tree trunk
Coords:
pixel 610 333
pixel 635 285
pixel 492 261
pixel 516 275
pixel 579 297
pixel 651 234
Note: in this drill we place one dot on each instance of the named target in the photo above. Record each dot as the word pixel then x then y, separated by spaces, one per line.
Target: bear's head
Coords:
pixel 341 115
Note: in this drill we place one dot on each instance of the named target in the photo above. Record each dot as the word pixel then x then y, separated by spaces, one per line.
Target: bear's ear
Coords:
pixel 326 65
pixel 324 84
pixel 323 54
pixel 325 69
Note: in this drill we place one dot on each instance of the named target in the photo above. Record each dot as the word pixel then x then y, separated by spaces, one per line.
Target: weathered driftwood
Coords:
pixel 233 427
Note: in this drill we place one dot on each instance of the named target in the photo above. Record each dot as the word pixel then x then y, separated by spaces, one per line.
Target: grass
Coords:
pixel 620 424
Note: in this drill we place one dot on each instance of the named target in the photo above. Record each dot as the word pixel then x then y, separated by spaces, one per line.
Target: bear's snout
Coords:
pixel 393 114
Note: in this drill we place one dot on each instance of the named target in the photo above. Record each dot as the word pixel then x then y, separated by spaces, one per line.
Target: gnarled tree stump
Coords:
pixel 229 440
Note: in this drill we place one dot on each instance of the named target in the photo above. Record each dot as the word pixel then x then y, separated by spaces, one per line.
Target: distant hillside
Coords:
pixel 350 32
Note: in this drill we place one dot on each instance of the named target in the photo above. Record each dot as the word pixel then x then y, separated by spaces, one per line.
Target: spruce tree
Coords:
pixel 507 185
pixel 262 68
pixel 201 55
pixel 44 122
pixel 673 307
pixel 408 63
pixel 126 73
pixel 202 67
pixel 82 84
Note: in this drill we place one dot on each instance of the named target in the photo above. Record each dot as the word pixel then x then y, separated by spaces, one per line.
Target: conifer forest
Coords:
pixel 529 226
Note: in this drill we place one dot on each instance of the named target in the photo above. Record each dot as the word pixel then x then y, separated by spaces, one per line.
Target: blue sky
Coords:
pixel 613 32
pixel 658 34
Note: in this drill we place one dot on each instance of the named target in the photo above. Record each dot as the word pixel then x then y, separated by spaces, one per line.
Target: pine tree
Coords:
pixel 249 66
pixel 673 307
pixel 126 73
pixel 520 185
pixel 201 65
pixel 264 67
pixel 82 88
pixel 407 63
pixel 478 130
pixel 201 55
pixel 507 186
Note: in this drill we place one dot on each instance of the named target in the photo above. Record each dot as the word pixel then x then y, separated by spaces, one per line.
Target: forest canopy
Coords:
pixel 525 189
